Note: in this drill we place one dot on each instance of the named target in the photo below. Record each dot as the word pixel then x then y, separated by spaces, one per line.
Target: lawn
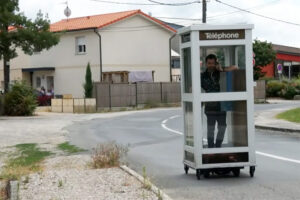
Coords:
pixel 292 115
pixel 26 160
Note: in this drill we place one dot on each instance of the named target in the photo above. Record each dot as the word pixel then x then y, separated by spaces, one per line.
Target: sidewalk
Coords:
pixel 267 119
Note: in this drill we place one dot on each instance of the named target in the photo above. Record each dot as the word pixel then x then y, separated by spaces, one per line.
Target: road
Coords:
pixel 156 143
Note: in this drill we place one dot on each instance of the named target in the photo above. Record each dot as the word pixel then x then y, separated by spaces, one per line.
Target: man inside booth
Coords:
pixel 210 83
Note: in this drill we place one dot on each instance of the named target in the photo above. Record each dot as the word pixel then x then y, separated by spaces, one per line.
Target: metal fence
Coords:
pixel 126 95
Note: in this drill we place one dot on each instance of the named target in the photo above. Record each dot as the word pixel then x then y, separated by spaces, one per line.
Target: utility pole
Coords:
pixel 203 11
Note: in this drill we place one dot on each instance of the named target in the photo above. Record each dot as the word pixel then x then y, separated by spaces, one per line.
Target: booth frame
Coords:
pixel 197 97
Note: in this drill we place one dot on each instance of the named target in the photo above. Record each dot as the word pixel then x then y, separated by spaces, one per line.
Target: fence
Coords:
pixel 260 90
pixel 1 104
pixel 126 95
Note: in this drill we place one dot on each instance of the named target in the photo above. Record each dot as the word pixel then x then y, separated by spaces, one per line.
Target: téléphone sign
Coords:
pixel 222 35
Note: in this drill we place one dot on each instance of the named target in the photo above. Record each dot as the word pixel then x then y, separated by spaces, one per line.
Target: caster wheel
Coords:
pixel 236 172
pixel 198 173
pixel 252 170
pixel 206 173
pixel 186 169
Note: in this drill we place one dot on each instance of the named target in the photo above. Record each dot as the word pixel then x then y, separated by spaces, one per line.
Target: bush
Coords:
pixel 289 92
pixel 108 155
pixel 20 100
pixel 286 88
pixel 274 88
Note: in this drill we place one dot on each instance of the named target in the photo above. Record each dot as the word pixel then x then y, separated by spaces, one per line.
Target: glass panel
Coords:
pixel 225 158
pixel 188 123
pixel 224 124
pixel 189 156
pixel 187 70
pixel 223 69
pixel 185 38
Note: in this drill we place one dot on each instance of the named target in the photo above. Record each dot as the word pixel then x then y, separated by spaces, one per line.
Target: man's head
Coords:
pixel 211 61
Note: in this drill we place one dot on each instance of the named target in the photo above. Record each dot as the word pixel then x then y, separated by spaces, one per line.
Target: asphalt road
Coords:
pixel 160 150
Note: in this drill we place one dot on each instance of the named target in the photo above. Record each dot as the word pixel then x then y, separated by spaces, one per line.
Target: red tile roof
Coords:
pixel 99 21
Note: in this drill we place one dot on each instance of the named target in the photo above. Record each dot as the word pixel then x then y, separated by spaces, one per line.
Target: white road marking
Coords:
pixel 163 124
pixel 278 157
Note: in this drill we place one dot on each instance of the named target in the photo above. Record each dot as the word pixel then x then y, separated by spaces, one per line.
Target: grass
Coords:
pixel 69 148
pixel 292 115
pixel 27 161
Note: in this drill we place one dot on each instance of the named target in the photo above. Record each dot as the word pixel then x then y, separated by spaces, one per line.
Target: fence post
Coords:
pixel 136 95
pixel 96 95
pixel 109 93
pixel 161 95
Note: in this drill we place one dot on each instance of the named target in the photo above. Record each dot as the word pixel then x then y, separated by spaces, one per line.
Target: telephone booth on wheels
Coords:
pixel 217 99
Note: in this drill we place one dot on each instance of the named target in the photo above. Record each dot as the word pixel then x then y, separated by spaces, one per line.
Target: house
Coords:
pixel 123 41
pixel 288 57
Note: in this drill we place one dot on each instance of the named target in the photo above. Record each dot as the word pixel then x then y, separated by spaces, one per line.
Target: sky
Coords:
pixel 217 13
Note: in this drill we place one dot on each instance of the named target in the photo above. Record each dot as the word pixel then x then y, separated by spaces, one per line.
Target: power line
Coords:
pixel 237 11
pixel 271 18
pixel 174 4
pixel 126 3
pixel 154 3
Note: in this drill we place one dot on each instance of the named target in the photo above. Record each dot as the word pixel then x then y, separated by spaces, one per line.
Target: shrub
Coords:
pixel 274 88
pixel 20 100
pixel 108 155
pixel 88 85
pixel 289 92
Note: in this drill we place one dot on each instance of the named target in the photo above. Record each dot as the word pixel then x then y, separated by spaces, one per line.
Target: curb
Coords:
pixel 13 190
pixel 277 129
pixel 141 179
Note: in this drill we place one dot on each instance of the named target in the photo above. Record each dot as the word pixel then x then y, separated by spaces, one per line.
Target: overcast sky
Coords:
pixel 265 29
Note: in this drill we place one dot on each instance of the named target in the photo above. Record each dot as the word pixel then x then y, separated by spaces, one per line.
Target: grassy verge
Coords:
pixel 292 115
pixel 26 161
pixel 67 147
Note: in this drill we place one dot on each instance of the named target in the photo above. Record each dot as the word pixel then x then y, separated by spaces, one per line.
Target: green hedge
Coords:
pixel 20 100
pixel 285 88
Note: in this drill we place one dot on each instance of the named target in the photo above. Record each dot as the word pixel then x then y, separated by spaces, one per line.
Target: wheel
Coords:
pixel 198 173
pixel 252 170
pixel 236 172
pixel 186 169
pixel 206 173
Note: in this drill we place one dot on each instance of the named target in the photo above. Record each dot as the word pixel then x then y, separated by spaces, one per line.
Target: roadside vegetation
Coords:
pixel 27 160
pixel 20 100
pixel 292 115
pixel 283 88
pixel 108 154
pixel 69 148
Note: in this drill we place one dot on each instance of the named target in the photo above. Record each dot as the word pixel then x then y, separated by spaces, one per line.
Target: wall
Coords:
pixel 136 49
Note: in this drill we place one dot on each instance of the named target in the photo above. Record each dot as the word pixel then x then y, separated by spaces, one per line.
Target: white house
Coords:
pixel 123 41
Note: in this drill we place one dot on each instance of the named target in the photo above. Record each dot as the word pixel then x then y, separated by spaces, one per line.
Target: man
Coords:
pixel 210 82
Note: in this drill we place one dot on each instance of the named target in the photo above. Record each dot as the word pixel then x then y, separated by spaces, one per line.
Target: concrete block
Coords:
pixel 56 105
pixel 90 105
pixel 67 96
pixel 79 106
pixel 297 97
pixel 68 106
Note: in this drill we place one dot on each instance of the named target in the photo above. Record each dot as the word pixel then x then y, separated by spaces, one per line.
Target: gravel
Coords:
pixel 69 177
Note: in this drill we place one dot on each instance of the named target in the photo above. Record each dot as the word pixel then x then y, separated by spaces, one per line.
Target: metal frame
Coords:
pixel 197 97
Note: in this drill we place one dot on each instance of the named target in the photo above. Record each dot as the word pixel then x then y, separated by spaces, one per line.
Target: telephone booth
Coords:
pixel 217 100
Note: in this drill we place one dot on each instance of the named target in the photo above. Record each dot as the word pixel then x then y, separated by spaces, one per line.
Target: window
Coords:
pixel 187 70
pixel 38 82
pixel 80 45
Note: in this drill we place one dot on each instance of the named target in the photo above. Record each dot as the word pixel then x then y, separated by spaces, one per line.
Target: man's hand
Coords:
pixel 219 68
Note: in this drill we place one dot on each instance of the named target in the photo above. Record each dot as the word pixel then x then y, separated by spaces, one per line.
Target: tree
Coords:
pixel 88 86
pixel 17 31
pixel 264 55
